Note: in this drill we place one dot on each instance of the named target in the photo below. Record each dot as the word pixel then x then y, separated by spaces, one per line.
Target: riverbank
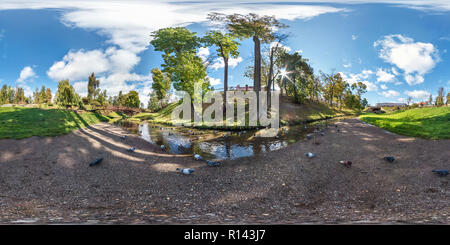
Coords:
pixel 49 181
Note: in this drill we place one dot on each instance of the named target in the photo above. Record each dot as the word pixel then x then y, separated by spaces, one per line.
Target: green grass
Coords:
pixel 289 114
pixel 429 123
pixel 18 123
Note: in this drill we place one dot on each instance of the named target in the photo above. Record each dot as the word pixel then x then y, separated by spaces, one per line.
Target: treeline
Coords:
pixel 10 95
pixel 183 66
pixel 66 96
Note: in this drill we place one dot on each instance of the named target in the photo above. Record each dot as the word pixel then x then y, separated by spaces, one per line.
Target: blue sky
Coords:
pixel 398 48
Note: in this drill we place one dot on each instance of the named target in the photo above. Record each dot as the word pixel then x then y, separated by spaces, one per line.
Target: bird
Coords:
pixel 322 133
pixel 389 159
pixel 186 170
pixel 163 147
pixel 96 162
pixel 132 149
pixel 123 137
pixel 197 157
pixel 348 164
pixel 441 172
pixel 309 136
pixel 212 163
pixel 310 154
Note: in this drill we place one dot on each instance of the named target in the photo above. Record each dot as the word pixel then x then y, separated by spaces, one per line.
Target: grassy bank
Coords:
pixel 430 123
pixel 290 114
pixel 18 123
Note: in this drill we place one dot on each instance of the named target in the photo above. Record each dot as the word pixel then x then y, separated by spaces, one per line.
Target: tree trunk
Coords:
pixel 225 83
pixel 257 72
pixel 270 79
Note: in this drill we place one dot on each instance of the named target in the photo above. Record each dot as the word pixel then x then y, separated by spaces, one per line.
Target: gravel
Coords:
pixel 48 180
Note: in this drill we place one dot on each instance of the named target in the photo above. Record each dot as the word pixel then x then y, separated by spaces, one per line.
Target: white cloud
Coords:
pixel 384 76
pixel 418 94
pixel 127 26
pixel 280 46
pixel 370 86
pixel 348 65
pixel 232 63
pixel 214 81
pixel 299 51
pixel 384 87
pixel 390 93
pixel 79 65
pixel 352 78
pixel 26 73
pixel 415 59
pixel 203 53
pixel 354 37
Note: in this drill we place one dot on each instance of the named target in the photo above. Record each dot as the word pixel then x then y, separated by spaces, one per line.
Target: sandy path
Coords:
pixel 47 180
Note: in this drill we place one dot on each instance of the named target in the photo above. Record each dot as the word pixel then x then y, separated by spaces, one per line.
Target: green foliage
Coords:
pixel 429 122
pixel 18 123
pixel 440 97
pixel 132 99
pixel 181 63
pixel 226 45
pixel 93 84
pixel 161 84
pixel 154 104
pixel 65 95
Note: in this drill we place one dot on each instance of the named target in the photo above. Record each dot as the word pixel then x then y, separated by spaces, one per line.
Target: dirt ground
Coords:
pixel 48 180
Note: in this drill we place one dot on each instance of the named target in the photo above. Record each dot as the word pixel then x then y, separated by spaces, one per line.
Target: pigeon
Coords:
pixel 212 163
pixel 123 137
pixel 309 136
pixel 441 172
pixel 322 133
pixel 96 162
pixel 186 170
pixel 197 157
pixel 132 149
pixel 310 154
pixel 163 147
pixel 348 164
pixel 389 159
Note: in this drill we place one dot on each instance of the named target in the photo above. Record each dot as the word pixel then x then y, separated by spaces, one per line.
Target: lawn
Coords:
pixel 430 123
pixel 18 123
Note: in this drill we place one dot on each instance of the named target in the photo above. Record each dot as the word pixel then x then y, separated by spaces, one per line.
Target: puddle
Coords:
pixel 219 145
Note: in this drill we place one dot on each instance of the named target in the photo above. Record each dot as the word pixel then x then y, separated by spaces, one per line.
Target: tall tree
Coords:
pixel 440 97
pixel 181 62
pixel 226 47
pixel 132 99
pixel 48 95
pixel 161 84
pixel 65 95
pixel 93 84
pixel 260 28
pixel 4 95
pixel 42 95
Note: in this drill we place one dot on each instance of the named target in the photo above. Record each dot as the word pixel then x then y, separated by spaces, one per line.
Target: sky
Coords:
pixel 398 48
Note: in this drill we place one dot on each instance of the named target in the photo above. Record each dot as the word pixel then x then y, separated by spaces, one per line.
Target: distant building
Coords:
pixel 391 105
